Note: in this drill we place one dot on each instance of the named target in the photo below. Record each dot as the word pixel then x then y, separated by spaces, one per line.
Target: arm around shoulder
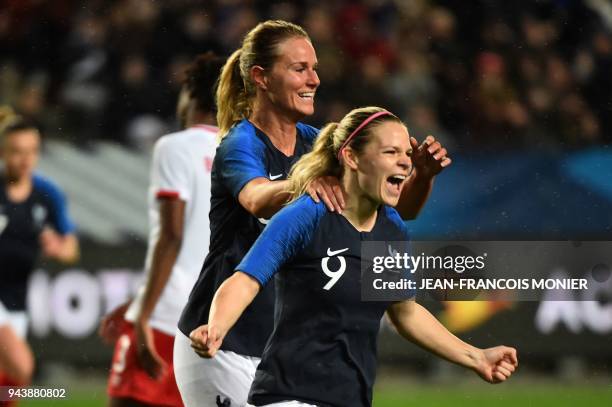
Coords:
pixel 263 198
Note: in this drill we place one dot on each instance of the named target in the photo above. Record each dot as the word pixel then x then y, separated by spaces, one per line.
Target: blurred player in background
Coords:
pixel 265 89
pixel 33 219
pixel 323 348
pixel 179 202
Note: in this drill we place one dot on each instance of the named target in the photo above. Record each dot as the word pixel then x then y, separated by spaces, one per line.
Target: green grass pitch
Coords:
pixel 399 392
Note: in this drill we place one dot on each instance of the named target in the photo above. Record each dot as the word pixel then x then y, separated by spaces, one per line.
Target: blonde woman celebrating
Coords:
pixel 323 347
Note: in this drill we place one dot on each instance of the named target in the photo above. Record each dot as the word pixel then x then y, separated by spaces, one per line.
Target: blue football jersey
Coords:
pixel 244 154
pixel 323 347
pixel 20 227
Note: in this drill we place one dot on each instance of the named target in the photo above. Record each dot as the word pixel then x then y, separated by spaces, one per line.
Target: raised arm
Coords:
pixel 428 159
pixel 230 301
pixel 416 324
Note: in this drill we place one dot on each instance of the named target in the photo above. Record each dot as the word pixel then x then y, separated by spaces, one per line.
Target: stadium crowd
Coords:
pixel 473 73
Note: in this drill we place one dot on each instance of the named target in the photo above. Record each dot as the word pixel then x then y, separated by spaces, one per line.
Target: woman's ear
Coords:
pixel 350 158
pixel 258 77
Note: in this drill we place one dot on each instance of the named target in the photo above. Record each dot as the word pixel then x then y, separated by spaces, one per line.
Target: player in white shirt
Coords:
pixel 179 202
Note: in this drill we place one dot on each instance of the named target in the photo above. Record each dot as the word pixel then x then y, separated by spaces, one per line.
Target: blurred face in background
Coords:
pixel 20 151
pixel 292 81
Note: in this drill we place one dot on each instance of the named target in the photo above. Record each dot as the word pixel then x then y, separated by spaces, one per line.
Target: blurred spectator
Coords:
pixel 134 97
pixel 498 116
pixel 492 73
pixel 412 82
pixel 86 86
pixel 598 82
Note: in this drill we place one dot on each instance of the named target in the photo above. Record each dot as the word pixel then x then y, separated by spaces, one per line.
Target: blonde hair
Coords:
pixel 11 122
pixel 7 118
pixel 236 89
pixel 323 159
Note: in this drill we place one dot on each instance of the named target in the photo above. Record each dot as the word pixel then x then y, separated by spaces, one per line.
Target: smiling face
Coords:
pixel 385 164
pixel 292 81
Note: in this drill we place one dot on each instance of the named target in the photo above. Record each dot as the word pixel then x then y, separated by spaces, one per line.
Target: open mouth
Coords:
pixel 306 96
pixel 394 182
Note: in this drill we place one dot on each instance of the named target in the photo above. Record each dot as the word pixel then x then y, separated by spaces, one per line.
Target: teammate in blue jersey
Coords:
pixel 323 348
pixel 265 89
pixel 33 219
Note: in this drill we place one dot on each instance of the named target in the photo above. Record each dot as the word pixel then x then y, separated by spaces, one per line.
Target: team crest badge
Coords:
pixel 39 213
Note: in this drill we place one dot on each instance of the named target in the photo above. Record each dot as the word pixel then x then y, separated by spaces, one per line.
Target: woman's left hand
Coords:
pixel 429 158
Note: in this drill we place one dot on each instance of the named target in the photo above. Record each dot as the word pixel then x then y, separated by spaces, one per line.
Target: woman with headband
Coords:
pixel 323 347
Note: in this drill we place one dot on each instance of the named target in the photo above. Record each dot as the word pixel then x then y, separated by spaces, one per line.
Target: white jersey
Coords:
pixel 181 168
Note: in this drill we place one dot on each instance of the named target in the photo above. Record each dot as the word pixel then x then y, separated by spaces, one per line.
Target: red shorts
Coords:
pixel 5 381
pixel 128 380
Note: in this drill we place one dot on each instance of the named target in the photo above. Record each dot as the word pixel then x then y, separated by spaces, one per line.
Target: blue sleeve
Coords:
pixel 58 207
pixel 240 158
pixel 397 220
pixel 308 132
pixel 287 233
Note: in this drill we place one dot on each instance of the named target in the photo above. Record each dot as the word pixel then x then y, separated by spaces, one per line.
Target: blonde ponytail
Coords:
pixel 11 122
pixel 321 161
pixel 7 115
pixel 232 99
pixel 7 118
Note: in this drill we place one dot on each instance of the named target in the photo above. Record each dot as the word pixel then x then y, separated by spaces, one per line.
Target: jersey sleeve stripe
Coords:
pixel 167 194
